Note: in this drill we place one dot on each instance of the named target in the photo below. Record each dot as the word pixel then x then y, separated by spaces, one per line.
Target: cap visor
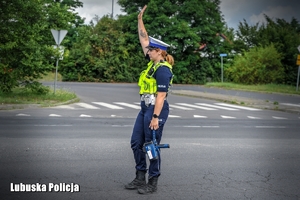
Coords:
pixel 151 47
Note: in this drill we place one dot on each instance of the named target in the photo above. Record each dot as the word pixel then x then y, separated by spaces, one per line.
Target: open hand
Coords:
pixel 142 12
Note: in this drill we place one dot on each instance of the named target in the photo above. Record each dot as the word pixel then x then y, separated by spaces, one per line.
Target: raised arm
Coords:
pixel 143 36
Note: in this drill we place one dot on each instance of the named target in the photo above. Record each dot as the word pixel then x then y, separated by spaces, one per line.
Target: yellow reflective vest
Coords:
pixel 146 81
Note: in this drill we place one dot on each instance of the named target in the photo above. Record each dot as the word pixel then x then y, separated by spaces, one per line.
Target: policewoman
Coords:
pixel 154 85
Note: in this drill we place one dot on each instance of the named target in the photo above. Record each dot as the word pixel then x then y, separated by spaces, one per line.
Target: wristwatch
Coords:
pixel 155 116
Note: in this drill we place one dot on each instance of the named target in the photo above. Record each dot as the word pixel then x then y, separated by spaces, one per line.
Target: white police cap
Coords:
pixel 155 43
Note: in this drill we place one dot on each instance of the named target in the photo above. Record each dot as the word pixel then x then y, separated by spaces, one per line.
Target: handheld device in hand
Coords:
pixel 152 148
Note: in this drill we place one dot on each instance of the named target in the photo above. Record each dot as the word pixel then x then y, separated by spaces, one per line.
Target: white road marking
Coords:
pixel 82 115
pixel 214 106
pixel 139 103
pixel 278 117
pixel 21 114
pixel 53 125
pixel 269 126
pixel 65 107
pixel 251 117
pixel 181 107
pixel 174 116
pixel 111 106
pixel 194 106
pixel 199 116
pixel 54 115
pixel 239 107
pixel 88 106
pixel 128 105
pixel 200 126
pixel 290 104
pixel 227 117
pixel 122 125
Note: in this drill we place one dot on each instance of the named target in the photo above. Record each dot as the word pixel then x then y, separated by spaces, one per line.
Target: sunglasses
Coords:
pixel 153 49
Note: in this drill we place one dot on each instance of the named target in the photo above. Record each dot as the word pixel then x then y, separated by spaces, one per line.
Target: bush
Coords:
pixel 7 79
pixel 261 65
pixel 36 87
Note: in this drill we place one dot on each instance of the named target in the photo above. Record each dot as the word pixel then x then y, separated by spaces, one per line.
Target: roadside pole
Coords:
pixel 298 78
pixel 222 55
pixel 58 36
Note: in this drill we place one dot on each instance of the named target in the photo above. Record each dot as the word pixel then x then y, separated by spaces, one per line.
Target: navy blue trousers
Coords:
pixel 142 133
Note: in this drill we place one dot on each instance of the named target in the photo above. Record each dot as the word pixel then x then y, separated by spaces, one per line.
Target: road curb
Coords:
pixel 64 103
pixel 261 104
pixel 18 106
pixel 25 106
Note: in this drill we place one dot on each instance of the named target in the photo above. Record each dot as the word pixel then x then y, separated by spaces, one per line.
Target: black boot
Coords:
pixel 150 187
pixel 138 182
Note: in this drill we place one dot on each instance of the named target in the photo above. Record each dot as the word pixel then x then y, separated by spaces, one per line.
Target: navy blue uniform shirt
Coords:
pixel 163 76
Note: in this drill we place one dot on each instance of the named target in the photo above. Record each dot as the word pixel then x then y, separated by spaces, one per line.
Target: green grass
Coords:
pixel 24 96
pixel 51 77
pixel 267 88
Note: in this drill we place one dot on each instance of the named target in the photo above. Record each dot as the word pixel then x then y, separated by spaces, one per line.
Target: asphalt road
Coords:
pixel 217 160
pixel 250 155
pixel 272 97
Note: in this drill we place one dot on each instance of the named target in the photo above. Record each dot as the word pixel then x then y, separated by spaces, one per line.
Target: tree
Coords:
pixel 183 25
pixel 100 53
pixel 247 36
pixel 286 38
pixel 282 34
pixel 25 48
pixel 259 65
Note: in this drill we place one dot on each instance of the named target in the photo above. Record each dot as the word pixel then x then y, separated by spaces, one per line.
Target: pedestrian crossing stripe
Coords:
pixel 290 104
pixel 214 106
pixel 111 106
pixel 128 105
pixel 136 105
pixel 170 116
pixel 65 107
pixel 88 106
pixel 194 106
pixel 239 107
pixel 181 107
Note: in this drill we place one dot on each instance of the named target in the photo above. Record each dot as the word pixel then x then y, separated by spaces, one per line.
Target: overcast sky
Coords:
pixel 234 11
